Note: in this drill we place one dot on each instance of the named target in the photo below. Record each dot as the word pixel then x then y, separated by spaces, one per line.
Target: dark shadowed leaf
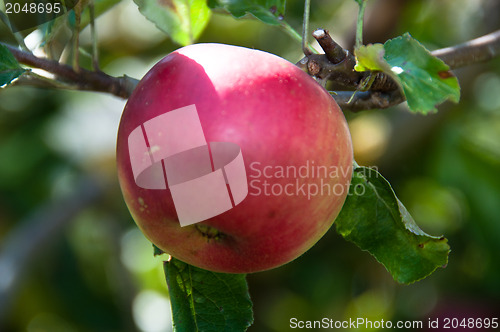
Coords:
pixel 204 301
pixel 268 11
pixel 376 221
pixel 182 20
pixel 157 251
pixel 9 67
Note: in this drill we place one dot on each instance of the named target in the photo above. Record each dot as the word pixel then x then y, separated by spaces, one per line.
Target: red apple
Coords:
pixel 295 144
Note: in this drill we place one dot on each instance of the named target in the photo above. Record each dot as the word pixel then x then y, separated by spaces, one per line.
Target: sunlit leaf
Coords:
pixel 182 20
pixel 204 301
pixel 360 2
pixel 371 57
pixel 376 221
pixel 268 11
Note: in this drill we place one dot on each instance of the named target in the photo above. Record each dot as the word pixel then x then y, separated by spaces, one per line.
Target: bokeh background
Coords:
pixel 72 259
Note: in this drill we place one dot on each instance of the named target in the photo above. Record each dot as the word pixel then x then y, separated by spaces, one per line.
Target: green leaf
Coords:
pixel 204 301
pixel 371 57
pixel 376 221
pixel 268 11
pixel 425 80
pixel 157 251
pixel 9 67
pixel 182 20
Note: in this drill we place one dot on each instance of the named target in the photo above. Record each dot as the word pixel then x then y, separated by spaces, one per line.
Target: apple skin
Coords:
pixel 279 116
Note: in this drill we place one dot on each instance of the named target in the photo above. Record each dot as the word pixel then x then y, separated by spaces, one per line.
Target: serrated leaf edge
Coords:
pixel 393 195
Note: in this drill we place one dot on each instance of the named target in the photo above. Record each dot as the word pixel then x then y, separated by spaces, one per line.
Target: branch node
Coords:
pixel 313 68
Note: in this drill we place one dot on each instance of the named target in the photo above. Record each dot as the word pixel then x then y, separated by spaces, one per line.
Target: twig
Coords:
pixel 33 79
pixel 82 80
pixel 333 51
pixel 474 51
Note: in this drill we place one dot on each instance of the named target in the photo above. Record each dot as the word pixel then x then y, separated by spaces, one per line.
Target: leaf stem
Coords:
pixel 93 32
pixel 305 27
pixel 359 25
pixel 294 34
pixel 76 37
pixel 290 31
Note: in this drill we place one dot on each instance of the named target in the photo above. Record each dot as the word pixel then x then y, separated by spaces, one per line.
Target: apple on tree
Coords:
pixel 281 119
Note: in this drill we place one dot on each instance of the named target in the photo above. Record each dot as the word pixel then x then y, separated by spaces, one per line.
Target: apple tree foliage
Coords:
pixel 9 67
pixel 424 79
pixel 207 301
pixel 375 220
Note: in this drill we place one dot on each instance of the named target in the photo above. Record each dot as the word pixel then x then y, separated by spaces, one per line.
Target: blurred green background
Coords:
pixel 72 259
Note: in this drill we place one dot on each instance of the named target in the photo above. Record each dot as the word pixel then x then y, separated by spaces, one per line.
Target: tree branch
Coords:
pixel 336 65
pixel 384 93
pixel 83 79
pixel 474 51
